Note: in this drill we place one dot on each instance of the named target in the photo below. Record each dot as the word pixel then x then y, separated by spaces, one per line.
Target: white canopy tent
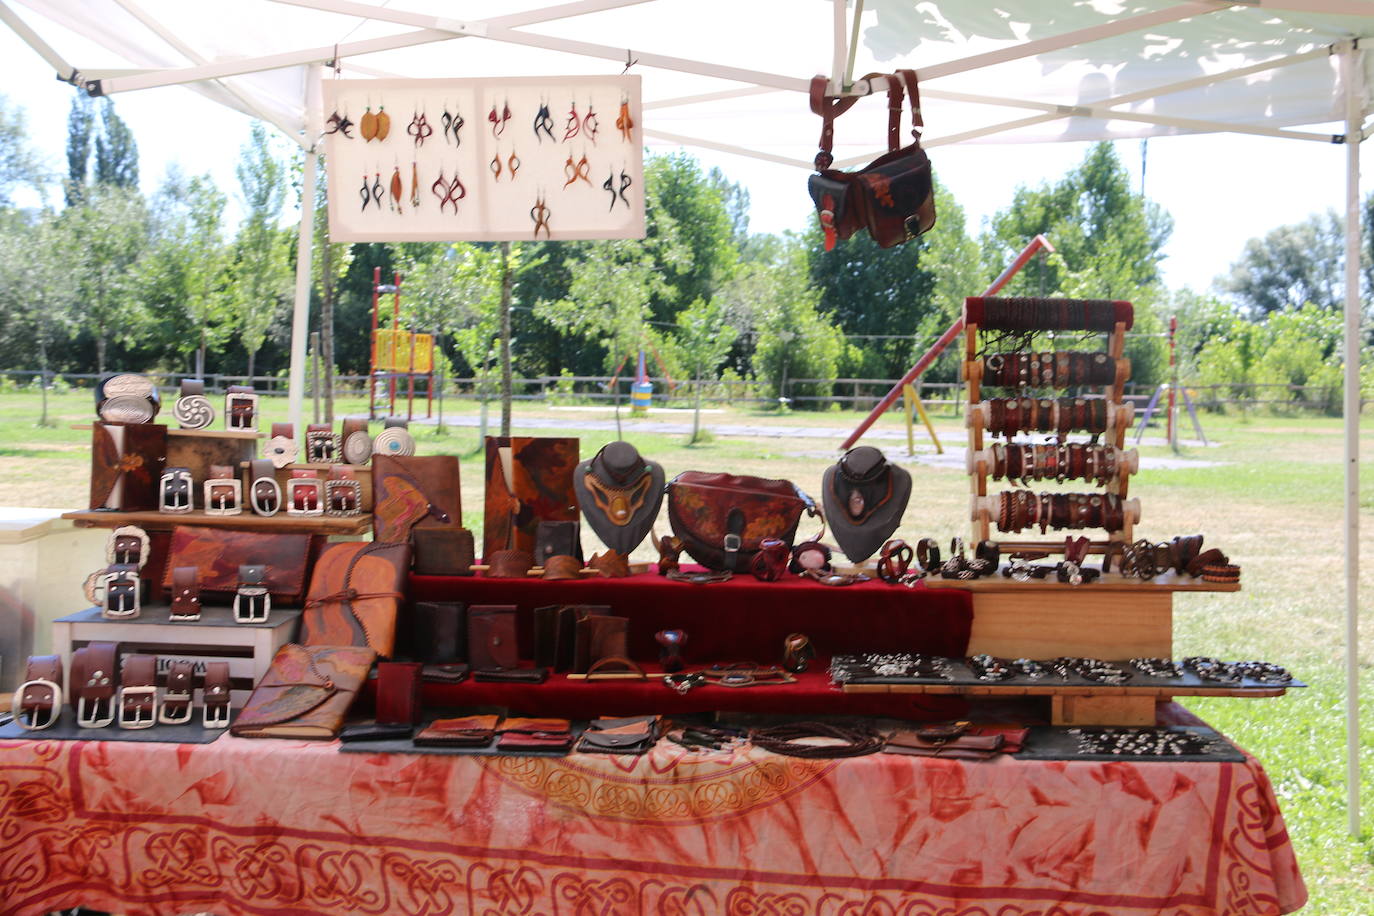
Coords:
pixel 730 76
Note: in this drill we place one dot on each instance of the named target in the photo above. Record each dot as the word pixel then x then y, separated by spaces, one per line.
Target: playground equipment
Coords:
pixel 397 353
pixel 1170 387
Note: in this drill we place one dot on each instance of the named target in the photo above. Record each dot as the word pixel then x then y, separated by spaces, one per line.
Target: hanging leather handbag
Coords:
pixel 893 197
pixel 722 519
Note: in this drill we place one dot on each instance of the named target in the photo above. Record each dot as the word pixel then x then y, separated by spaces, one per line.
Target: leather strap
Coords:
pixel 215 713
pixel 913 97
pixel 829 108
pixel 185 593
pixel 175 708
pixel 190 386
pixel 38 701
pixel 138 692
pixel 285 430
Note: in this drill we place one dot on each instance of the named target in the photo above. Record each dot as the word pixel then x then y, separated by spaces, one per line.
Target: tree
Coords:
pixel 109 231
pixel 795 338
pixel 183 276
pixel 116 153
pixel 19 164
pixel 330 265
pixel 705 340
pixel 262 267
pixel 36 288
pixel 689 208
pixel 80 133
pixel 1291 265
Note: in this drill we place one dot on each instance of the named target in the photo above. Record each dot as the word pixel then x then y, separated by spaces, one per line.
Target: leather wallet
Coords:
pixel 438 632
pixel 369 731
pixel 218 554
pixel 468 731
pixel 511 675
pixel 557 539
pixel 398 693
pixel 541 735
pixel 442 551
pixel 449 673
pixel 963 747
pixel 599 636
pixel 634 735
pixel 491 637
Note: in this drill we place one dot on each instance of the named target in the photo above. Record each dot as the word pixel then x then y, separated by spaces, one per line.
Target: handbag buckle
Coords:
pixel 139 714
pixel 35 721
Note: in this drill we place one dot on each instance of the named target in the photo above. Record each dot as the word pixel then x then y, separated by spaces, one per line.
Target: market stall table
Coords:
pixel 285 827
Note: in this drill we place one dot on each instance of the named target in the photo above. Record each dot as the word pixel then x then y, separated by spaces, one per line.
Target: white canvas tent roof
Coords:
pixel 730 75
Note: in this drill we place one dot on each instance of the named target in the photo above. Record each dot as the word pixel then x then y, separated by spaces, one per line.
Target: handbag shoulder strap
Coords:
pixel 829 108
pixel 914 97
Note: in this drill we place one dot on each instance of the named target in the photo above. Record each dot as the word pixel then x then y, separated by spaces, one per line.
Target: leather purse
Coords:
pixel 634 735
pixel 305 693
pixel 410 492
pixel 219 553
pixel 438 632
pixel 354 596
pixel 892 197
pixel 722 519
pixel 442 551
pixel 398 693
pixel 126 465
pixel 557 539
pixel 491 637
pixel 529 479
pixel 599 636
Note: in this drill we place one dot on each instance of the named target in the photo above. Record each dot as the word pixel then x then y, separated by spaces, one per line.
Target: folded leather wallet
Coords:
pixel 962 747
pixel 511 675
pixel 372 731
pixel 539 735
pixel 449 673
pixel 491 637
pixel 467 731
pixel 438 632
pixel 442 551
pixel 535 724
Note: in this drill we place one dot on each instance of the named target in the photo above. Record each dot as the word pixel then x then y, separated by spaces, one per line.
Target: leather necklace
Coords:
pixel 619 503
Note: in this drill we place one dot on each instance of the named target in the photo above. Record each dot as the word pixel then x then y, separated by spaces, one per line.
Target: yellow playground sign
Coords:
pixel 403 351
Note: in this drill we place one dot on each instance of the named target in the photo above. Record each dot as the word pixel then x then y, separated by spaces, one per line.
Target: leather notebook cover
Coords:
pixel 403 489
pixel 442 551
pixel 398 693
pixel 491 637
pixel 354 595
pixel 306 693
pixel 539 486
pixel 218 553
pixel 126 462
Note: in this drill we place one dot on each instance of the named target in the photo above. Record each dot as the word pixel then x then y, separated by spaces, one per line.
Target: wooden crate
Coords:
pixel 248 648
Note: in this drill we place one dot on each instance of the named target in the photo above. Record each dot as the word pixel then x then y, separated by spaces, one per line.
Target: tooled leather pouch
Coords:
pixel 126 464
pixel 557 539
pixel 355 593
pixel 218 553
pixel 410 492
pixel 599 636
pixel 442 551
pixel 722 519
pixel 491 637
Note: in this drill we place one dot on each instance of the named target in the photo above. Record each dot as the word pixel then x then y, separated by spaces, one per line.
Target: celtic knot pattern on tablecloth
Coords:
pixel 503 891
pixel 600 788
pixel 177 859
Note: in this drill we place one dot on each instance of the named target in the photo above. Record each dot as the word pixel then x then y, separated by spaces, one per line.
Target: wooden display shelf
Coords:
pixel 199 433
pixel 1067 690
pixel 245 521
pixel 1169 582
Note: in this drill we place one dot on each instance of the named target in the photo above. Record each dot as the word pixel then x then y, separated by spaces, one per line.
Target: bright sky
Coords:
pixel 1221 189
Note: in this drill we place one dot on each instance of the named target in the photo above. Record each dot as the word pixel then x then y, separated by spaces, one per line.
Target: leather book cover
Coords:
pixel 306 693
pixel 219 552
pixel 407 491
pixel 599 636
pixel 442 551
pixel 398 693
pixel 529 479
pixel 126 463
pixel 354 596
pixel 491 637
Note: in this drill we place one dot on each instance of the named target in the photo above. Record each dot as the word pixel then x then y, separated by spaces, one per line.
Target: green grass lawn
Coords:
pixel 1271 497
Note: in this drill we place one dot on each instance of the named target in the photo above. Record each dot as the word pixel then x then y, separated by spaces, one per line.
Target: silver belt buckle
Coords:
pixel 137 720
pixel 164 717
pixel 89 715
pixel 243 609
pixel 217 715
pixel 53 715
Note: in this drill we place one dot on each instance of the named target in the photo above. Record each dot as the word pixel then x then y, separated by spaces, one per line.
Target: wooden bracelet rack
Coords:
pixel 1023 372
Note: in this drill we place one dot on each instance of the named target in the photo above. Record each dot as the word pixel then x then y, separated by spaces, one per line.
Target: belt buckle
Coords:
pixel 136 720
pixel 88 714
pixel 243 609
pixel 215 715
pixel 164 717
pixel 54 713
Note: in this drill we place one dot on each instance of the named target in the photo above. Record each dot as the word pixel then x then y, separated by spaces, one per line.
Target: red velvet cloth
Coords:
pixel 739 619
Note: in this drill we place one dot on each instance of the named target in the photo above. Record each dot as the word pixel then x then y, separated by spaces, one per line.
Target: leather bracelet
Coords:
pixel 1209 557
pixel 509 564
pixel 894 561
pixel 1221 572
pixel 928 554
pixel 562 566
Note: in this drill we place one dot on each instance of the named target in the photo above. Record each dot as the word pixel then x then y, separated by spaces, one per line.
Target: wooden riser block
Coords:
pixel 1047 624
pixel 1071 710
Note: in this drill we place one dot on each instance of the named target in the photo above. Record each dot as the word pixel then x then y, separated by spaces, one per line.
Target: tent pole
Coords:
pixel 300 318
pixel 841 50
pixel 1352 67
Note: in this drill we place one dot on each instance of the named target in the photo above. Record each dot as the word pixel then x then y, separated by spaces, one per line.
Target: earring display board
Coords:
pixel 546 158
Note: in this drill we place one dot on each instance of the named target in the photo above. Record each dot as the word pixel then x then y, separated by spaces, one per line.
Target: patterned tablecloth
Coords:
pixel 283 827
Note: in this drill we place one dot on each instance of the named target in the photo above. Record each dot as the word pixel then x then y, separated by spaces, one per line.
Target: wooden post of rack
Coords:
pixel 973 375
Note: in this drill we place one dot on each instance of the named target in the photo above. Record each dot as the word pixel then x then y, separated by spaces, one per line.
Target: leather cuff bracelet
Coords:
pixel 562 567
pixel 1221 573
pixel 38 701
pixel 176 705
pixel 509 564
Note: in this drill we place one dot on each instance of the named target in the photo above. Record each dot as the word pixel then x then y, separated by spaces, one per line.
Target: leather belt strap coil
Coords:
pixel 215 695
pixel 178 699
pixel 38 701
pixel 138 692
pixel 93 684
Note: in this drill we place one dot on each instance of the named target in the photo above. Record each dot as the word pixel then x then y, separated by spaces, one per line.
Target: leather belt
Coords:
pixel 178 699
pixel 215 712
pixel 92 684
pixel 138 692
pixel 321 445
pixel 252 601
pixel 185 593
pixel 264 493
pixel 38 701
